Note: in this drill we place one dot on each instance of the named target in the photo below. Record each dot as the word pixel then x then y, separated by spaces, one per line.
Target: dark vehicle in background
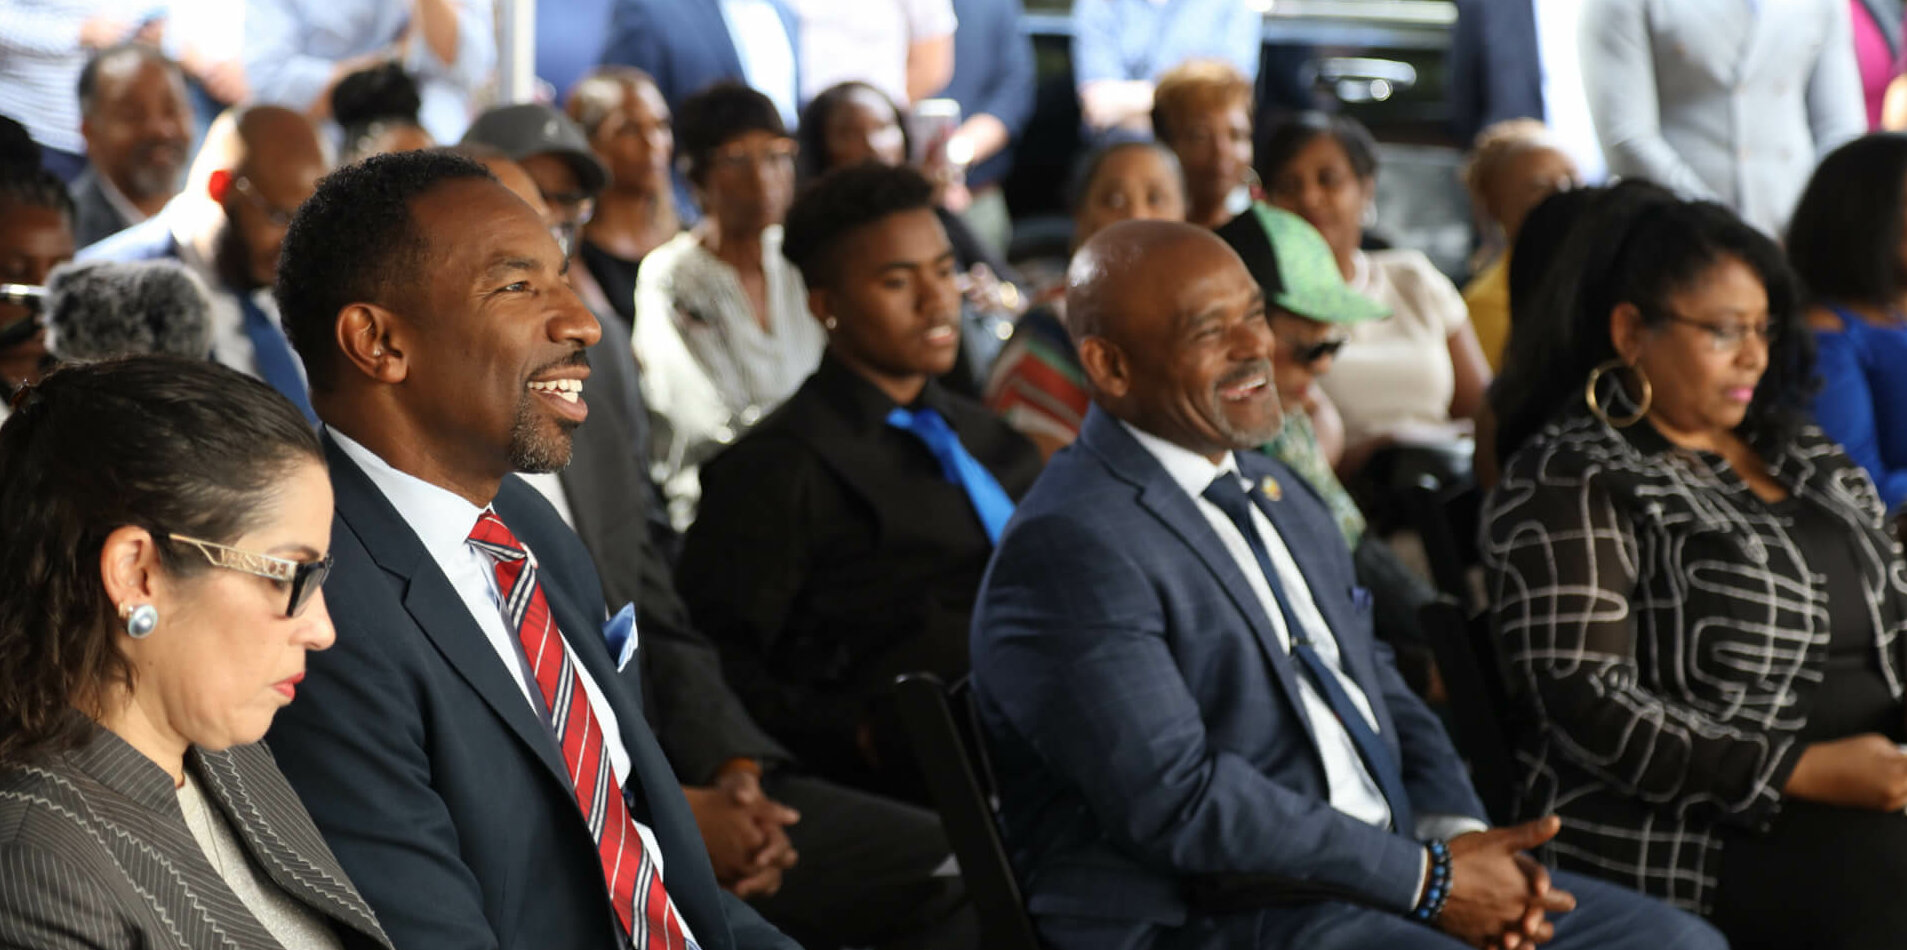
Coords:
pixel 1383 61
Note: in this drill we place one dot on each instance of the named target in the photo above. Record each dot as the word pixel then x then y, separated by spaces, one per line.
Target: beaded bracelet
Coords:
pixel 1431 907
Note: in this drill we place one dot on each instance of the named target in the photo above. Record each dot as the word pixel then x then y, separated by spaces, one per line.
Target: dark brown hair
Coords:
pixel 167 444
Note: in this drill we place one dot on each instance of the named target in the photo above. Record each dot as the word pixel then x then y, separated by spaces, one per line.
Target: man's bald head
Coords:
pixel 271 158
pixel 1123 269
pixel 1172 334
pixel 271 137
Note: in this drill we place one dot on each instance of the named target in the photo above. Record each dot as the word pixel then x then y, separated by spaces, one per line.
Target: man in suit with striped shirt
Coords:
pixel 469 750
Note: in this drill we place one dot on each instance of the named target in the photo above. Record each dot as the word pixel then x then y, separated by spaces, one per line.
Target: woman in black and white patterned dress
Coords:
pixel 1696 600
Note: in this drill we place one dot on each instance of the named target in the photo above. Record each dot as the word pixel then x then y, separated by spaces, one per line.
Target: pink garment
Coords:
pixel 1878 68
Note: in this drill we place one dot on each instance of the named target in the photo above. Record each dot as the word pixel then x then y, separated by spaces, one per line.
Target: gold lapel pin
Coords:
pixel 1272 489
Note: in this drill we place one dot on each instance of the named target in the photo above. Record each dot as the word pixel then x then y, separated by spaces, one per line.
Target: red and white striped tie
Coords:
pixel 635 886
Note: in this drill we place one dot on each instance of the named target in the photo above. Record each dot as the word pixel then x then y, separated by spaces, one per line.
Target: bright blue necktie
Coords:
pixel 277 364
pixel 989 500
pixel 1230 497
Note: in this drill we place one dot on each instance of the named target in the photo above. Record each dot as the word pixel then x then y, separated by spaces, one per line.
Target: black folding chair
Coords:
pixel 1446 517
pixel 1479 700
pixel 943 729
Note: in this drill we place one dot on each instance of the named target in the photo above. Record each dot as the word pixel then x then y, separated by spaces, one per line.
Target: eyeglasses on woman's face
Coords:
pixel 1729 337
pixel 303 578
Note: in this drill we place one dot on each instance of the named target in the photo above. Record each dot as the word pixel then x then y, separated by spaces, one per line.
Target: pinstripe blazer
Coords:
pixel 1667 638
pixel 94 853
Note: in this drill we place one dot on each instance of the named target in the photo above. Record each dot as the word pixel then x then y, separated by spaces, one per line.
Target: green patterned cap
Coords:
pixel 1294 265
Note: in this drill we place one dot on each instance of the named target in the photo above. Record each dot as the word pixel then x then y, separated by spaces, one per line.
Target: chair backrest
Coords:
pixel 943 728
pixel 1446 518
pixel 1479 701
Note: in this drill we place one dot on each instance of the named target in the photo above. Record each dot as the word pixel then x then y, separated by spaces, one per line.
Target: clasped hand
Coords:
pixel 1500 896
pixel 745 833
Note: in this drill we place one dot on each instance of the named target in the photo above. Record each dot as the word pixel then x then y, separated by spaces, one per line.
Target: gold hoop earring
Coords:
pixel 1595 404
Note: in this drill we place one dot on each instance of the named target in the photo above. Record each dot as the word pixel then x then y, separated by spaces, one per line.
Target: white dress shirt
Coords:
pixel 1565 105
pixel 767 53
pixel 1352 789
pixel 442 520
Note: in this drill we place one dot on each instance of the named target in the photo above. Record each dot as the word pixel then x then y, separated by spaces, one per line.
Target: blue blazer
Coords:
pixel 1143 718
pixel 684 44
pixel 149 240
pixel 441 792
pixel 1496 67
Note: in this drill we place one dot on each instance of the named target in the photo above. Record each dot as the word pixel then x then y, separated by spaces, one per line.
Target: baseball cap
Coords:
pixel 530 128
pixel 1295 267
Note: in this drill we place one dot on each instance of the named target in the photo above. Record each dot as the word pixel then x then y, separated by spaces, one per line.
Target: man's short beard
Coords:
pixel 152 181
pixel 1241 439
pixel 539 446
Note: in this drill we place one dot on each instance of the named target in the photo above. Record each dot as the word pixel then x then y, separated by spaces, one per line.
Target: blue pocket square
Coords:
pixel 620 633
pixel 1361 597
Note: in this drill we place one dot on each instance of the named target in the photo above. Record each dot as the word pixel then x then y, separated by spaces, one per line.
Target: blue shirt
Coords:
pixel 1862 403
pixel 569 38
pixel 1141 39
pixel 993 75
pixel 40 62
pixel 292 46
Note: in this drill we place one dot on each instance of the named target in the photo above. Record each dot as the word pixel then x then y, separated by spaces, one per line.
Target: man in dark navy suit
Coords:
pixel 470 753
pixel 1189 715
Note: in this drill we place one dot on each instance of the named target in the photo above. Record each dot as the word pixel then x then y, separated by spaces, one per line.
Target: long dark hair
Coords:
pixel 1844 238
pixel 1643 251
pixel 183 446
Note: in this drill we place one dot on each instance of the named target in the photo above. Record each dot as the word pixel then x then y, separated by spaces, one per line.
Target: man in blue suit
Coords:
pixel 470 752
pixel 689 45
pixel 258 164
pixel 1190 718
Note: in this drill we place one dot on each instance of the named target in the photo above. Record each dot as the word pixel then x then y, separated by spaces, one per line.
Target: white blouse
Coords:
pixel 709 370
pixel 1397 372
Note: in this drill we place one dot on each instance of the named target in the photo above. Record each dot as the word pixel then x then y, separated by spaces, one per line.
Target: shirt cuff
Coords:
pixel 1445 827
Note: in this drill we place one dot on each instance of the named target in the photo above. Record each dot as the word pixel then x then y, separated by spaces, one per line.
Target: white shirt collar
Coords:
pixel 440 518
pixel 1192 471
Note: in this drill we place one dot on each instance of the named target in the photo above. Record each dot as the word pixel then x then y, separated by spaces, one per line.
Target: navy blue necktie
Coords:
pixel 1230 497
pixel 277 364
pixel 990 501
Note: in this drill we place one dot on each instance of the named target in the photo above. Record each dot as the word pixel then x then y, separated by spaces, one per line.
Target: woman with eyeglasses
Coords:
pixel 1697 602
pixel 722 331
pixel 163 529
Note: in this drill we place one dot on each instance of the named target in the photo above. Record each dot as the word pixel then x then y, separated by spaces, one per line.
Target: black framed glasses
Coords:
pixel 304 577
pixel 1310 353
pixel 277 216
pixel 1729 337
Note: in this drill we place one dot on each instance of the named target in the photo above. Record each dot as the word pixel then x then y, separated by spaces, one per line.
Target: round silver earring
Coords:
pixel 140 620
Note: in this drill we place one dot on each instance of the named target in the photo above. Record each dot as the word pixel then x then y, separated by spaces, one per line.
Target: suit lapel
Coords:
pixel 435 607
pixel 655 795
pixel 1160 496
pixel 1765 33
pixel 271 833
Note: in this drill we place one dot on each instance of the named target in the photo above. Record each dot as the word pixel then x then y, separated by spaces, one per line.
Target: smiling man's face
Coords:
pixel 498 365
